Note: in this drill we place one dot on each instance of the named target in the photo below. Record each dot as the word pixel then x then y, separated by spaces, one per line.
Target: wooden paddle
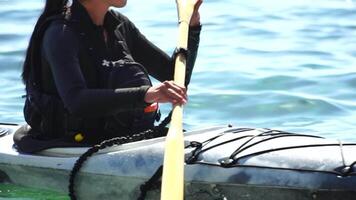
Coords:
pixel 173 165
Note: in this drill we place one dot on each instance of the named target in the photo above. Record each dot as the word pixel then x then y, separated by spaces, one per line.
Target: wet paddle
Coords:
pixel 173 166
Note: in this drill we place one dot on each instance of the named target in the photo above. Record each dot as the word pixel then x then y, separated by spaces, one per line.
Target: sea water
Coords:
pixel 281 64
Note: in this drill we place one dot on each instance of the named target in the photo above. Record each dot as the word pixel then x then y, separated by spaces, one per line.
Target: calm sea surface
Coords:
pixel 282 64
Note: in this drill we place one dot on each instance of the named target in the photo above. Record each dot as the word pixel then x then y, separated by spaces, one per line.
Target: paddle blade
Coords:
pixel 173 171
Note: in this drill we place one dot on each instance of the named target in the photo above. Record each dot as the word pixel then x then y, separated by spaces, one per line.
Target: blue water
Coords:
pixel 283 64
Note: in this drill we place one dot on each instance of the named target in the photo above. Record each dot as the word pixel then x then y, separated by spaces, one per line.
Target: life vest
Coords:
pixel 49 119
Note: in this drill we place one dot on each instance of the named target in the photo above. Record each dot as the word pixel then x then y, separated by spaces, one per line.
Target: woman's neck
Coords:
pixel 96 9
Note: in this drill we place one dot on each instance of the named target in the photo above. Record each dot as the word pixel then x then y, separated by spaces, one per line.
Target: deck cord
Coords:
pixel 342 153
pixel 233 159
pixel 157 131
pixel 228 162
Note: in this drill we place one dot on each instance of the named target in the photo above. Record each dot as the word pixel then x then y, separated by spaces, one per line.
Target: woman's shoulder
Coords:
pixel 118 17
pixel 59 29
pixel 59 34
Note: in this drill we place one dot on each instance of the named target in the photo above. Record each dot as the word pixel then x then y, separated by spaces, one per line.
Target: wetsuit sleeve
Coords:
pixel 61 48
pixel 193 45
pixel 157 62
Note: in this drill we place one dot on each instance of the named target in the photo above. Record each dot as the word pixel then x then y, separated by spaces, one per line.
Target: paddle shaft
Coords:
pixel 173 165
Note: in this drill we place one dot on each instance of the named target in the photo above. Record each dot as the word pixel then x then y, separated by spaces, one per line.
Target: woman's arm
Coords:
pixel 157 62
pixel 60 49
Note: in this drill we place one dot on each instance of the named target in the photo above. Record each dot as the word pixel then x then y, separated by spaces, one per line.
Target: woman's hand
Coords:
pixel 195 20
pixel 167 92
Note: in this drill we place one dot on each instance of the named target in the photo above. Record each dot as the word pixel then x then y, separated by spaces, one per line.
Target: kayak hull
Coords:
pixel 119 171
pixel 127 188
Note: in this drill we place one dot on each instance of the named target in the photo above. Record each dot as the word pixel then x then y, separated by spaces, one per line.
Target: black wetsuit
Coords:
pixel 60 49
pixel 97 102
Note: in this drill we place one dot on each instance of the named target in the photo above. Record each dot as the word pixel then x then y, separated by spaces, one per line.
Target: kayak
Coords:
pixel 221 163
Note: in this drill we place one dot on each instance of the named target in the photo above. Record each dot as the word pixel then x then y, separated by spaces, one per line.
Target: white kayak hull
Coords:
pixel 310 172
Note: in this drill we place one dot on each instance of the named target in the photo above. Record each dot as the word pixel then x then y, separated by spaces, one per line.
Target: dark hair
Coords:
pixel 52 7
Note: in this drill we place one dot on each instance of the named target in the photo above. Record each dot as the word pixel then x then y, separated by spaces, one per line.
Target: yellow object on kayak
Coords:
pixel 79 137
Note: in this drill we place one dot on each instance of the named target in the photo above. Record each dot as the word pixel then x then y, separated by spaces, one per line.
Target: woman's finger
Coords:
pixel 197 5
pixel 180 90
pixel 173 95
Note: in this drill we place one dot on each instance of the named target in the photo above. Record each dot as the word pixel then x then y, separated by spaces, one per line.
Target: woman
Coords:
pixel 86 75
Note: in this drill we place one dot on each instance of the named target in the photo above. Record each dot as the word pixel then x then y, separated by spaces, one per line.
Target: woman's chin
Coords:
pixel 120 4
